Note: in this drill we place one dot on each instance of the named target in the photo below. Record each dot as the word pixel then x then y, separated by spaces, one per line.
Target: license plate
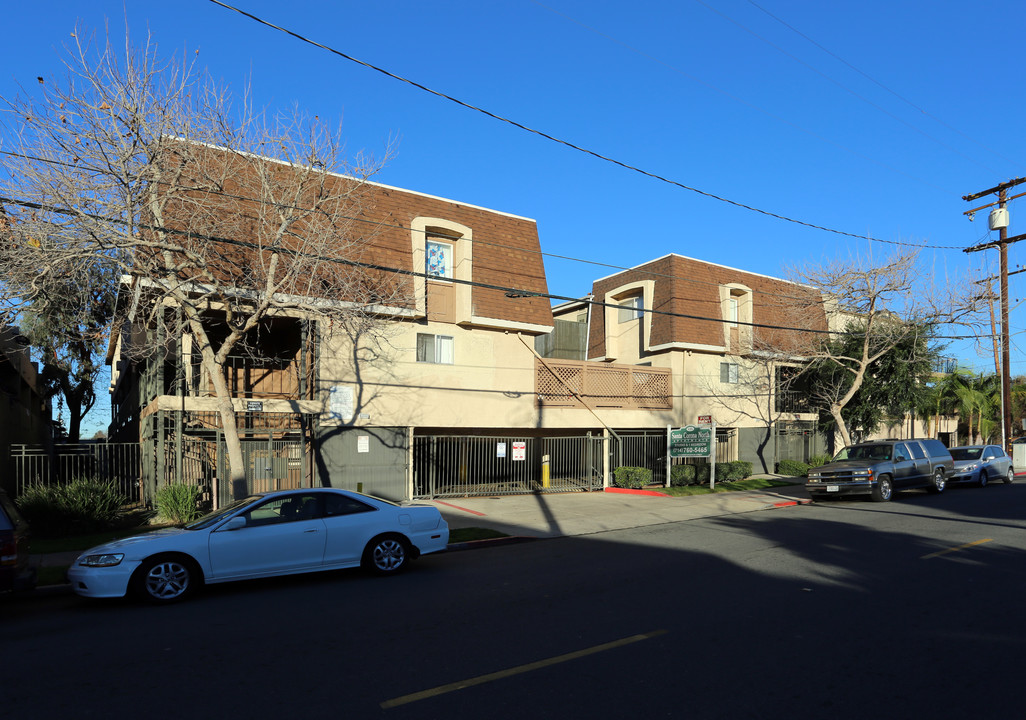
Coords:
pixel 833 488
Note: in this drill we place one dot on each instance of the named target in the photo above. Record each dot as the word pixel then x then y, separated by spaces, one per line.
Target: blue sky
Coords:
pixel 869 118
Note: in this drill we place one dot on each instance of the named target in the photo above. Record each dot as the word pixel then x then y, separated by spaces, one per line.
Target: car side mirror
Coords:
pixel 900 458
pixel 236 523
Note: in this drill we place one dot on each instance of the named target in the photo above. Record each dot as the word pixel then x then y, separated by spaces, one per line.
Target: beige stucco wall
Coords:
pixel 491 384
pixel 704 394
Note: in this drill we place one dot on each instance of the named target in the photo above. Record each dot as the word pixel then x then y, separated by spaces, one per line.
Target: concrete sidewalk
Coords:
pixel 557 515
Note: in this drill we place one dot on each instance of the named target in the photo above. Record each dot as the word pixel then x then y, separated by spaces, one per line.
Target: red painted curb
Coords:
pixel 628 491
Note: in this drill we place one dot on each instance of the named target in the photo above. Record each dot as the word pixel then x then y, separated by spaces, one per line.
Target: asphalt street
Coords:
pixel 836 610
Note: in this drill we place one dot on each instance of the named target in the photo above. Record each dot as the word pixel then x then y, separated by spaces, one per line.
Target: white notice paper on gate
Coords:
pixel 519 450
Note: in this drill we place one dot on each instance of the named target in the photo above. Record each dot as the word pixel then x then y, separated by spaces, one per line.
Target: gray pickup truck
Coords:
pixel 883 467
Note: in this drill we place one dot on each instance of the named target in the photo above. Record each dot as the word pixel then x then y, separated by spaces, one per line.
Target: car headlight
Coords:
pixel 970 467
pixel 863 473
pixel 103 560
pixel 814 476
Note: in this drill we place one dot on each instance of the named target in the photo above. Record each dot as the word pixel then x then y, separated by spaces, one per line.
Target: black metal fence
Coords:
pixel 464 465
pixel 60 464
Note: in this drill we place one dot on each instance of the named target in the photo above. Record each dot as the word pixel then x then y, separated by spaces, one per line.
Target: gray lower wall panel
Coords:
pixel 372 460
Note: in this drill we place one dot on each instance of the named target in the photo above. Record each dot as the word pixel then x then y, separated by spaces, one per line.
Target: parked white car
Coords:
pixel 277 533
pixel 980 464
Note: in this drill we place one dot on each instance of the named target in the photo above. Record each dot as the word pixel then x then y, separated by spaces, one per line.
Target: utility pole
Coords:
pixel 999 221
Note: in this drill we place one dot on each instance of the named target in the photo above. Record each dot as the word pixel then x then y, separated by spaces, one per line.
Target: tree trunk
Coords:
pixel 842 427
pixel 226 410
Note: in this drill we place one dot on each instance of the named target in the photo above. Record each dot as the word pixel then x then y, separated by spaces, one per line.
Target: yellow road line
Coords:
pixel 956 549
pixel 481 679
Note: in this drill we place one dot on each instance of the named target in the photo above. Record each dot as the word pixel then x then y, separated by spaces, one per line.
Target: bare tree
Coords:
pixel 761 391
pixel 882 305
pixel 218 218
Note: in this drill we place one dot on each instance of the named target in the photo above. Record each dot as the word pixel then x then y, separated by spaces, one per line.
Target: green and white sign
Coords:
pixel 691 441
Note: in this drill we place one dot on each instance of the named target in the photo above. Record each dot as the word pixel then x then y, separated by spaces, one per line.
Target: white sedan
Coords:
pixel 277 533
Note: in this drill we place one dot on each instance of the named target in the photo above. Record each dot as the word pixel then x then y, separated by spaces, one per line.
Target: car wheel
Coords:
pixel 166 579
pixel 939 482
pixel 1009 476
pixel 386 555
pixel 984 479
pixel 883 490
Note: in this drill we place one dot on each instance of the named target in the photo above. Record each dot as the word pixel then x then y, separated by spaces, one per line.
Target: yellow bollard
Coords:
pixel 545 471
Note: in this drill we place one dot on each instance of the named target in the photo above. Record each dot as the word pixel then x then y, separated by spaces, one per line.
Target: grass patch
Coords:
pixel 51 575
pixel 469 534
pixel 723 486
pixel 43 546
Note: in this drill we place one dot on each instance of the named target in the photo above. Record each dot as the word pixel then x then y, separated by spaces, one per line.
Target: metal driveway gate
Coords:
pixel 461 465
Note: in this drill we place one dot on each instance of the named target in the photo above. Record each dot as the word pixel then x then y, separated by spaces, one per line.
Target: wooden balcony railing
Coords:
pixel 250 377
pixel 572 384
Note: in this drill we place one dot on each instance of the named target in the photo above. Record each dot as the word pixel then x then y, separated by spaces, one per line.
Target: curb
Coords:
pixel 630 491
pixel 489 542
pixel 791 503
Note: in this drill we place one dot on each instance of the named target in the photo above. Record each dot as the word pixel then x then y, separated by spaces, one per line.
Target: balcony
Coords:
pixel 254 377
pixel 574 384
pixel 792 401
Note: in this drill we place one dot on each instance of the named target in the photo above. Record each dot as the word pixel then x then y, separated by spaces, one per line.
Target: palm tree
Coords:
pixel 946 396
pixel 978 400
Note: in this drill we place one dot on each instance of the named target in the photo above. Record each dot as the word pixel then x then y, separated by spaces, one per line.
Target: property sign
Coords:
pixel 691 441
pixel 519 450
pixel 705 419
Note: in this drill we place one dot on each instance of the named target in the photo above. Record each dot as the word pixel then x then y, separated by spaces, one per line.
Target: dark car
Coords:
pixel 980 464
pixel 15 572
pixel 883 467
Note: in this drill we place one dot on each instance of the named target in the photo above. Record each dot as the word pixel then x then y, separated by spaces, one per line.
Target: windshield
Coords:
pixel 968 453
pixel 218 515
pixel 865 452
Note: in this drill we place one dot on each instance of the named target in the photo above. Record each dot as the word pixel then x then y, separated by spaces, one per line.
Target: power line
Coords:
pixel 568 144
pixel 399 226
pixel 510 291
pixel 884 87
pixel 740 100
pixel 839 84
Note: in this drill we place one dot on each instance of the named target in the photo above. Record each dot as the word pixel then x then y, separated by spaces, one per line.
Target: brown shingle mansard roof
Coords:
pixel 506 248
pixel 685 286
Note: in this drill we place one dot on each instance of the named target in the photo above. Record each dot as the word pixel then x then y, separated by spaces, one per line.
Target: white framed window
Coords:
pixel 732 310
pixel 438 261
pixel 629 309
pixel 728 373
pixel 434 349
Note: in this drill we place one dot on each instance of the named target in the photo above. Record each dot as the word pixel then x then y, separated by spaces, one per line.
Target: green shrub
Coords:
pixel 632 477
pixel 794 468
pixel 733 471
pixel 178 503
pixel 681 475
pixel 84 505
pixel 817 460
pixel 702 474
